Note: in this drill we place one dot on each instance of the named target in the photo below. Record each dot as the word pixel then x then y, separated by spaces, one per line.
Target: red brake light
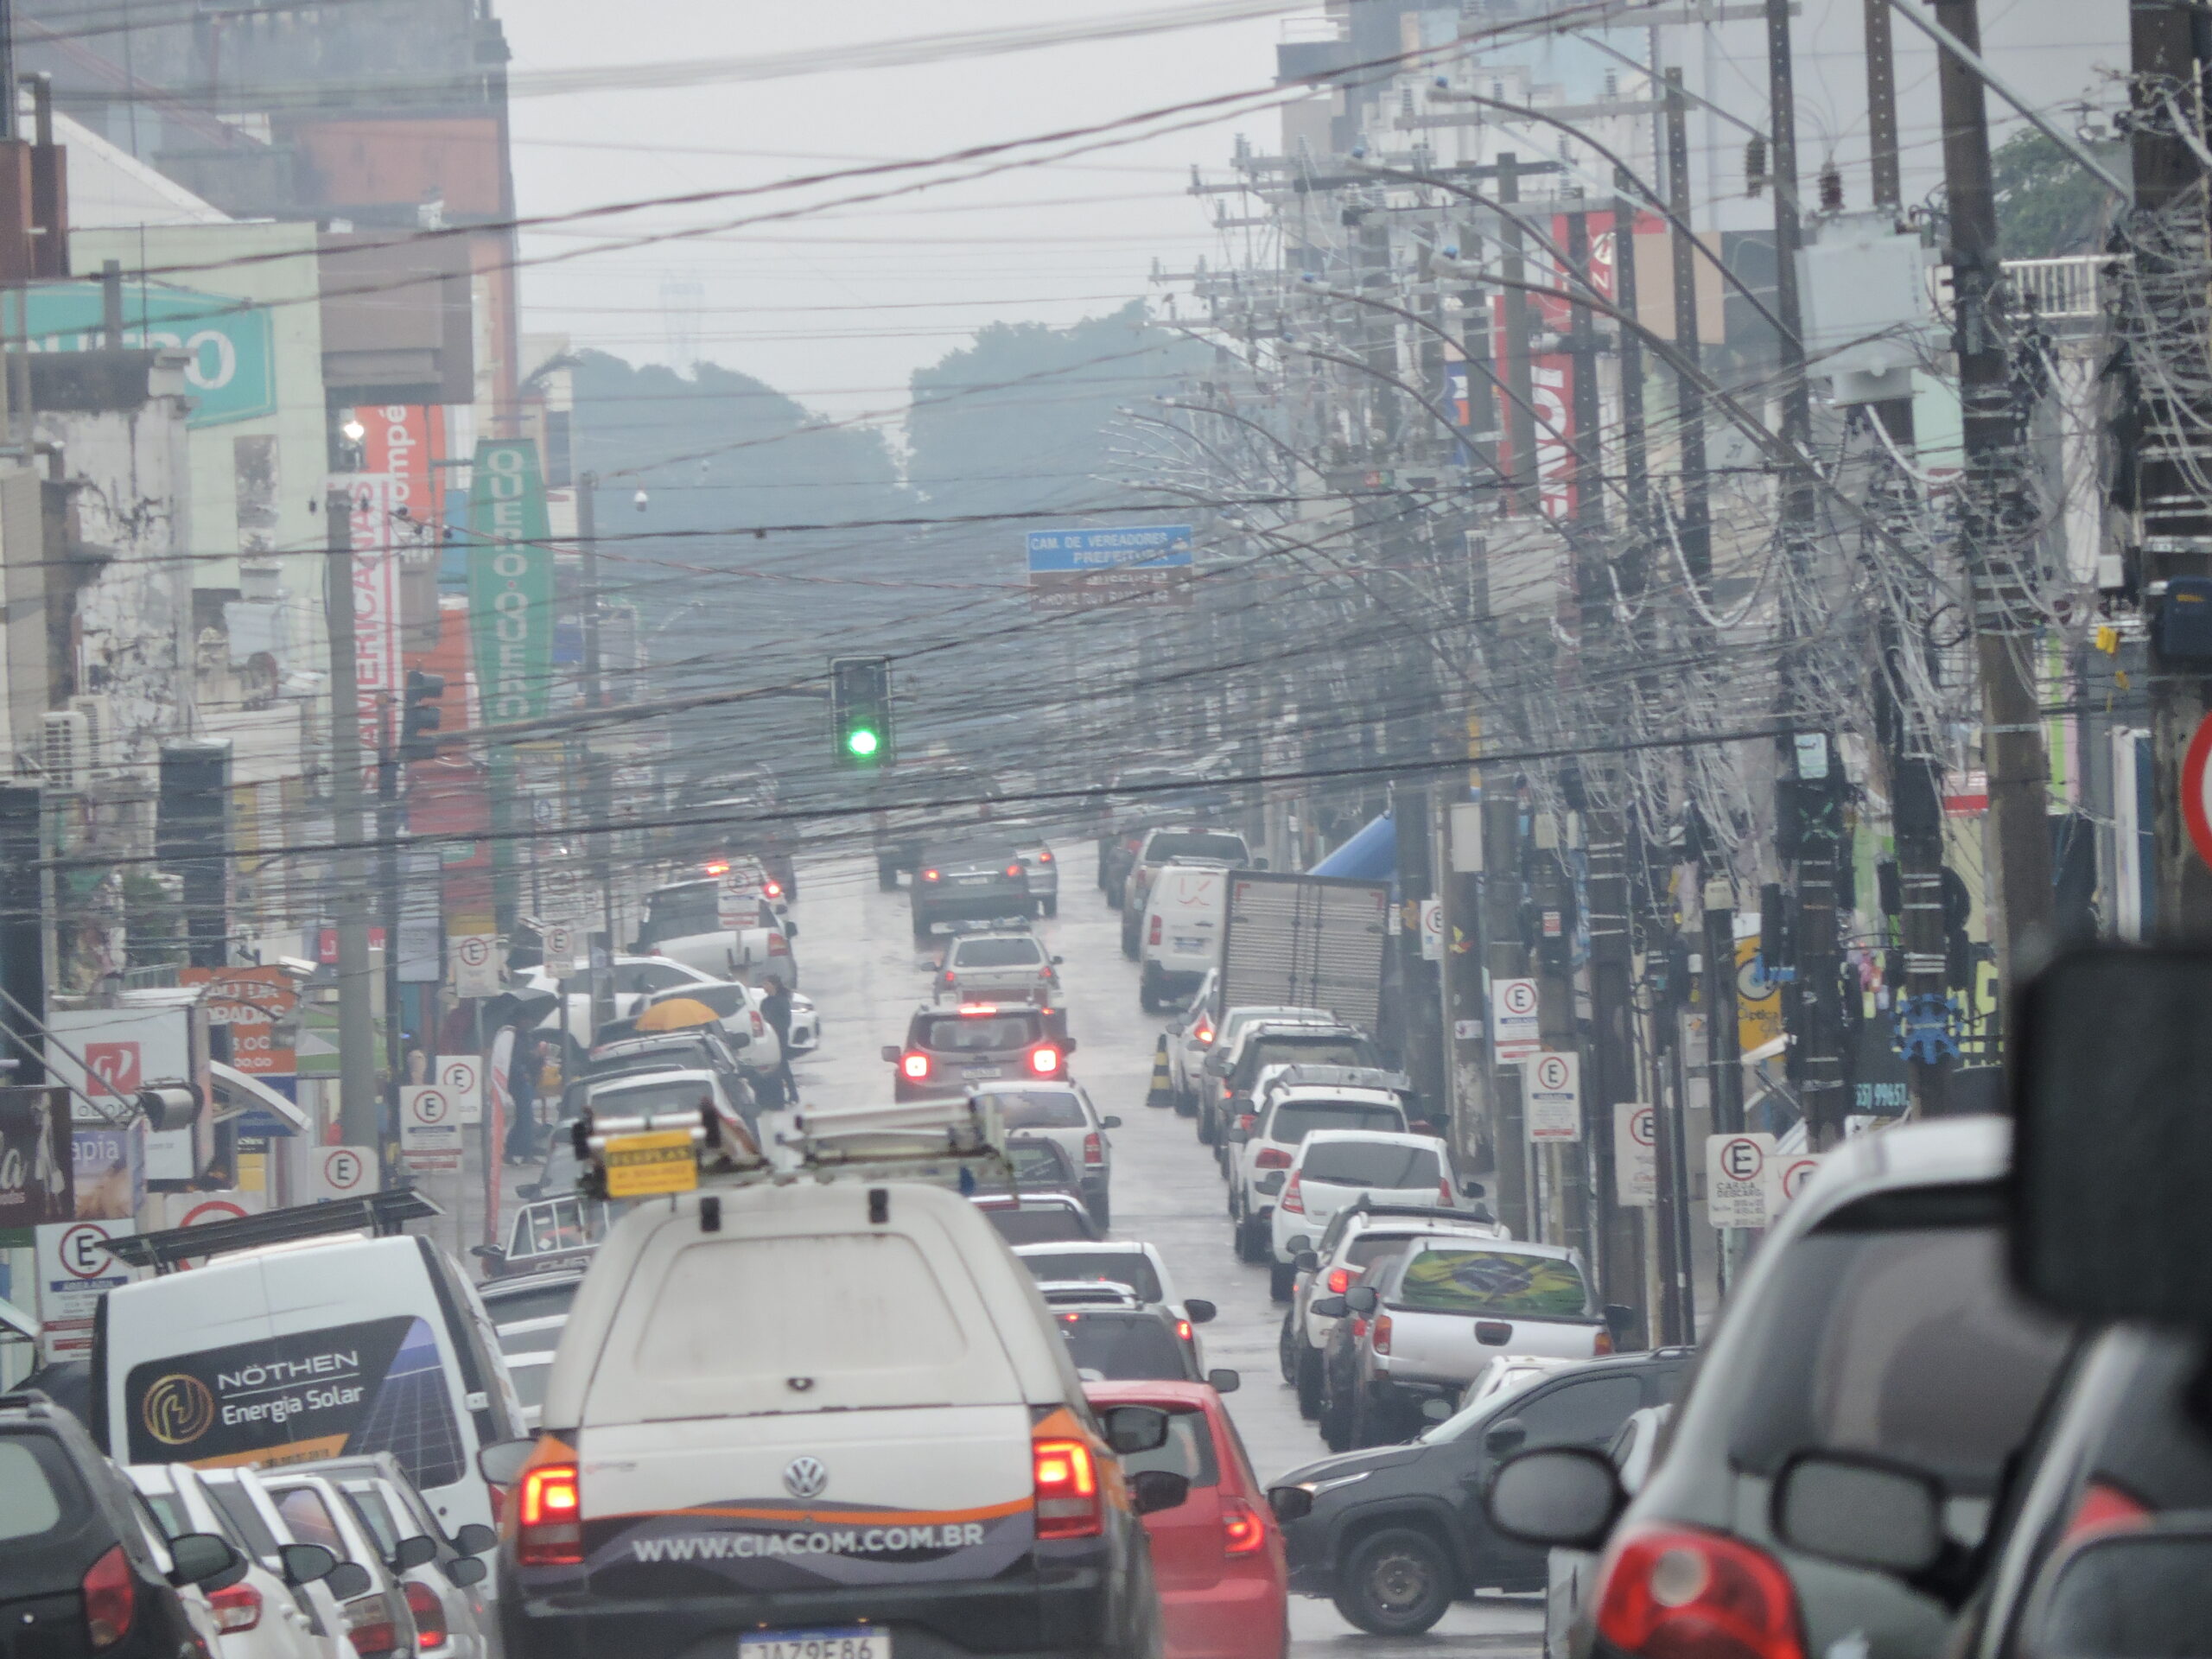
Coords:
pixel 110 1599
pixel 1293 1201
pixel 1246 1120
pixel 1067 1490
pixel 929 876
pixel 777 944
pixel 1358 1328
pixel 1205 1036
pixel 2104 1505
pixel 1443 1193
pixel 1045 1061
pixel 951 978
pixel 1045 855
pixel 429 1616
pixel 916 1066
pixel 1381 1337
pixel 1094 1149
pixel 774 889
pixel 551 1532
pixel 1242 1529
pixel 368 1629
pixel 237 1608
pixel 1603 1345
pixel 1013 869
pixel 1183 1329
pixel 979 1007
pixel 717 868
pixel 1669 1590
pixel 1340 1280
pixel 1153 936
pixel 1271 1158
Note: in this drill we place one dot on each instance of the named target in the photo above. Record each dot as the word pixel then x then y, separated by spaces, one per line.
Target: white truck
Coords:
pixel 1305 941
pixel 1179 936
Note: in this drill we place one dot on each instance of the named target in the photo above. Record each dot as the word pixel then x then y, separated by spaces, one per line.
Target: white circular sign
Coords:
pixel 1644 1127
pixel 475 949
pixel 1742 1160
pixel 83 1251
pixel 429 1106
pixel 1796 1173
pixel 1551 1072
pixel 344 1170
pixel 1519 997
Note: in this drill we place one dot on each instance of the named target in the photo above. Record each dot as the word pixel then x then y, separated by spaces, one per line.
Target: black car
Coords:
pixel 1396 1533
pixel 975 880
pixel 85 1571
pixel 1135 1344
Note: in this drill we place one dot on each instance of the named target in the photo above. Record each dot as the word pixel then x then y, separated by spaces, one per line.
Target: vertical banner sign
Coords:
pixel 399 440
pixel 1636 1154
pixel 1737 1175
pixel 377 537
pixel 510 582
pixel 1552 1083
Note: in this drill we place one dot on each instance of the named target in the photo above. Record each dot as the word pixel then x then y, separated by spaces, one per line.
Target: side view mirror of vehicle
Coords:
pixel 1057 961
pixel 1306 1261
pixel 348 1580
pixel 1236 1135
pixel 790 930
pixel 1620 1325
pixel 411 1553
pixel 493 1253
pixel 1472 1189
pixel 1271 1183
pixel 1216 1066
pixel 1067 1045
pixel 1505 1439
pixel 891 1053
pixel 1328 1307
pixel 1199 1310
pixel 1297 1244
pixel 1290 1503
pixel 474 1538
pixel 1562 1496
pixel 1155 1489
pixel 2147 1589
pixel 739 1040
pixel 1136 1428
pixel 501 1462
pixel 305 1563
pixel 198 1557
pixel 1260 863
pixel 466 1570
pixel 1861 1511
pixel 1362 1299
pixel 1223 1380
pixel 1109 1122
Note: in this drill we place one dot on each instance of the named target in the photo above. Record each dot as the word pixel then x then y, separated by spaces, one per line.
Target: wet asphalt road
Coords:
pixel 858 961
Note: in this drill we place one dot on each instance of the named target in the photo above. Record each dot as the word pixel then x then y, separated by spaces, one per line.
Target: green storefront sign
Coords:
pixel 232 374
pixel 510 582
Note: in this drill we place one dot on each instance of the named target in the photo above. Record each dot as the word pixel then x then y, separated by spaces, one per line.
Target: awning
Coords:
pixel 1371 855
pixel 250 1094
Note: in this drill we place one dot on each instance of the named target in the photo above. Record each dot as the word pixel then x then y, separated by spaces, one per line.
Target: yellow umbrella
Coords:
pixel 677 1013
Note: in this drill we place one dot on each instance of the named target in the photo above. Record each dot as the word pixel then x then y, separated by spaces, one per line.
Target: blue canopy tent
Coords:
pixel 1371 855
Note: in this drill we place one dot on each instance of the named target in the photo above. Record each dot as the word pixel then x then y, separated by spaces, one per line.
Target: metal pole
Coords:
pixel 358 1116
pixel 1696 531
pixel 598 789
pixel 1521 496
pixel 1509 959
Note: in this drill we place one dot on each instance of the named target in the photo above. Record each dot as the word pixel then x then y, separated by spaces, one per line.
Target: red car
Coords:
pixel 1218 1556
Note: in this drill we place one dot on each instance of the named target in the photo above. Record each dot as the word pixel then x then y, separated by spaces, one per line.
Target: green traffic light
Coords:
pixel 862 742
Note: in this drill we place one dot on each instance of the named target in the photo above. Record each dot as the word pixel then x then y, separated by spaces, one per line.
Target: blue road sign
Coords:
pixel 1084 552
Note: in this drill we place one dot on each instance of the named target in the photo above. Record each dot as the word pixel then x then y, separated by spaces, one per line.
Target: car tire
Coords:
pixel 887 876
pixel 1185 1106
pixel 1335 1423
pixel 1050 906
pixel 1205 1129
pixel 1128 937
pixel 1148 990
pixel 1251 1241
pixel 1308 1382
pixel 1102 1210
pixel 921 928
pixel 1396 1582
pixel 1283 1278
pixel 1372 1422
pixel 1286 1346
pixel 1114 896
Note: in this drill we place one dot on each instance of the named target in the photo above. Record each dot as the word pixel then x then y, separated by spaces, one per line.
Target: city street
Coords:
pixel 858 961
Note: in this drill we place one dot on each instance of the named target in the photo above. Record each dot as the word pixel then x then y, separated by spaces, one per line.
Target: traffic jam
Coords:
pixel 800 1347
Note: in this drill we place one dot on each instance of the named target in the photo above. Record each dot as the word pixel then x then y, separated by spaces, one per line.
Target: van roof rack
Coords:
pixel 378 1213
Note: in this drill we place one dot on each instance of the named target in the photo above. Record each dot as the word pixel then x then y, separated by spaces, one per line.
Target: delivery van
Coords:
pixel 307 1349
pixel 1179 939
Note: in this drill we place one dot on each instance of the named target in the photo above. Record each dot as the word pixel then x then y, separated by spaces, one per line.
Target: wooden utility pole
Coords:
pixel 357 1108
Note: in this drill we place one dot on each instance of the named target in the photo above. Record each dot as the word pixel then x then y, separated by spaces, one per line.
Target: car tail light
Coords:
pixel 915 1067
pixel 2104 1505
pixel 1094 1149
pixel 1045 1061
pixel 774 889
pixel 368 1629
pixel 1358 1327
pixel 777 944
pixel 1271 1158
pixel 1046 974
pixel 1183 1329
pixel 1603 1345
pixel 1242 1529
pixel 929 876
pixel 1045 855
pixel 1013 869
pixel 110 1599
pixel 979 1007
pixel 551 1532
pixel 1245 1120
pixel 237 1608
pixel 759 1025
pixel 1152 935
pixel 1205 1036
pixel 1672 1590
pixel 1294 1201
pixel 1443 1193
pixel 1382 1338
pixel 951 978
pixel 1340 1280
pixel 717 868
pixel 429 1616
pixel 1067 1490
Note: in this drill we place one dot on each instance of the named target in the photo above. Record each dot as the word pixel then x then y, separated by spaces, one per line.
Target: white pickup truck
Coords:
pixel 1441 1312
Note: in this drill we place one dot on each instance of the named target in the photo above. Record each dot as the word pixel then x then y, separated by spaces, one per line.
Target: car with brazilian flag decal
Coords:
pixel 823 1419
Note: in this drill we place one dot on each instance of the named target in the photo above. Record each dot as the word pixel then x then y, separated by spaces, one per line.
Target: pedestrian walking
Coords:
pixel 776 1009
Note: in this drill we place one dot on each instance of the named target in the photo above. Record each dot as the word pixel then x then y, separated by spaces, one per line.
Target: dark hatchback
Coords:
pixel 980 880
pixel 1395 1535
pixel 977 1045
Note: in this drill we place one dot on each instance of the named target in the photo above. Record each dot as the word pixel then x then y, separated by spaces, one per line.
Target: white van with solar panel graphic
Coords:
pixel 315 1349
pixel 821 1421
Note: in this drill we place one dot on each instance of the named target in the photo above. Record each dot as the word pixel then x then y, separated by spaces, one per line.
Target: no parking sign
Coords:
pixel 1738 1170
pixel 462 1076
pixel 1636 1154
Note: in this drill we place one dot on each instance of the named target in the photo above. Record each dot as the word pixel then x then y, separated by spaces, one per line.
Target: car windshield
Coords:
pixel 725 1000
pixel 1295 1120
pixel 1329 1048
pixel 1460 1280
pixel 1901 1340
pixel 1371 1163
pixel 1188 1451
pixel 977 1034
pixel 1123 1347
pixel 997 953
pixel 678 912
pixel 1130 1267
pixel 1052 1224
pixel 1040 1109
pixel 669 1095
pixel 1228 848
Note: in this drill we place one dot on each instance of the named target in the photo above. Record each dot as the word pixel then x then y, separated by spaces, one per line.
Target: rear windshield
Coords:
pixel 1188 1451
pixel 997 953
pixel 305 1513
pixel 1099 1267
pixel 978 1034
pixel 968 856
pixel 1039 1163
pixel 1904 1340
pixel 1371 1163
pixel 169 1512
pixel 1229 849
pixel 677 1095
pixel 1056 1109
pixel 1369 1249
pixel 245 1520
pixel 678 912
pixel 538 1302
pixel 1120 1347
pixel 724 1000
pixel 1049 1225
pixel 30 1505
pixel 1305 1051
pixel 1296 1119
pixel 1493 1281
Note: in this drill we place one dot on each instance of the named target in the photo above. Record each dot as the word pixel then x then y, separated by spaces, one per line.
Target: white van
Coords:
pixel 308 1349
pixel 1179 939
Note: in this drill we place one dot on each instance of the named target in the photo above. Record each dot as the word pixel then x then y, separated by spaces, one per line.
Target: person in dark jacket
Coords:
pixel 522 1089
pixel 776 1009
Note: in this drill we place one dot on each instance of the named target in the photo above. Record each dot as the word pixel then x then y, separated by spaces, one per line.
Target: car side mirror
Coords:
pixel 1297 1244
pixel 411 1553
pixel 1506 1437
pixel 1328 1307
pixel 1109 1122
pixel 1290 1503
pixel 1306 1261
pixel 1200 1310
pixel 1131 1429
pixel 1362 1299
pixel 1057 961
pixel 305 1563
pixel 1067 1045
pixel 1472 1189
pixel 348 1580
pixel 466 1570
pixel 1223 1380
pixel 1235 1136
pixel 2143 1590
pixel 474 1538
pixel 501 1462
pixel 1216 1066
pixel 493 1253
pixel 1620 1325
pixel 1562 1496
pixel 1153 1489
pixel 1861 1512
pixel 197 1557
pixel 890 1052
pixel 1260 863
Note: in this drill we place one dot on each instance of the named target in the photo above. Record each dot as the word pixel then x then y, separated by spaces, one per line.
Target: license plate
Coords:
pixel 1189 946
pixel 642 1166
pixel 856 1642
pixel 972 881
pixel 983 1071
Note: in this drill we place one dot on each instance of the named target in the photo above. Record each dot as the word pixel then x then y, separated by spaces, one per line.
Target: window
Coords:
pixel 677 1095
pixel 1039 1163
pixel 245 1520
pixel 1056 1109
pixel 532 1337
pixel 304 1513
pixel 1188 1451
pixel 373 1516
pixel 28 1504
pixel 725 1000
pixel 1369 1249
pixel 1372 1163
pixel 1295 1120
pixel 1304 1050
pixel 1493 1281
pixel 539 1302
pixel 679 912
pixel 1050 1224
pixel 1121 1348
pixel 530 1377
pixel 1100 1267
pixel 169 1513
pixel 1228 848
pixel 997 953
pixel 1586 1413
pixel 978 1034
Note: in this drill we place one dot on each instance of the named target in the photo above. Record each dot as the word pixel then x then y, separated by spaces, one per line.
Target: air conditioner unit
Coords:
pixel 65 752
pixel 98 713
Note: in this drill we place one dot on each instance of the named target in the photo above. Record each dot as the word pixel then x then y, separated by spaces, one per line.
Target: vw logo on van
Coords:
pixel 805 1477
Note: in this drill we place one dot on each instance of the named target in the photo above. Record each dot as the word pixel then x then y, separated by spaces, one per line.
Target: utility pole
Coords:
pixel 1696 531
pixel 1521 493
pixel 599 793
pixel 1509 959
pixel 395 1038
pixel 1995 521
pixel 359 1118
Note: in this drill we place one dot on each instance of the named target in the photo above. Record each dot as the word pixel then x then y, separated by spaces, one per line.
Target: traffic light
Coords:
pixel 420 718
pixel 860 712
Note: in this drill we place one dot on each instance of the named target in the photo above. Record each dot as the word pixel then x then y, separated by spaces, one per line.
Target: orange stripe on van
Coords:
pixel 840 1517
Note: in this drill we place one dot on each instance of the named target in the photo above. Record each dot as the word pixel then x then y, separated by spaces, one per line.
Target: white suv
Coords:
pixel 1332 1167
pixel 1288 1108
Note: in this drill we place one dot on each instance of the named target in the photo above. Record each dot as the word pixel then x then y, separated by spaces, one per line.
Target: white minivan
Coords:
pixel 1179 939
pixel 310 1348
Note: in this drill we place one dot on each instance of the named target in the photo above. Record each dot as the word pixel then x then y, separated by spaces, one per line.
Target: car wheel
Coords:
pixel 1185 1106
pixel 1308 1382
pixel 1373 1423
pixel 1335 1424
pixel 1205 1127
pixel 1287 1347
pixel 1396 1583
pixel 1149 995
pixel 1128 938
pixel 1052 906
pixel 921 928
pixel 1254 1240
pixel 1114 896
pixel 1102 1210
pixel 1282 1279
pixel 887 876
